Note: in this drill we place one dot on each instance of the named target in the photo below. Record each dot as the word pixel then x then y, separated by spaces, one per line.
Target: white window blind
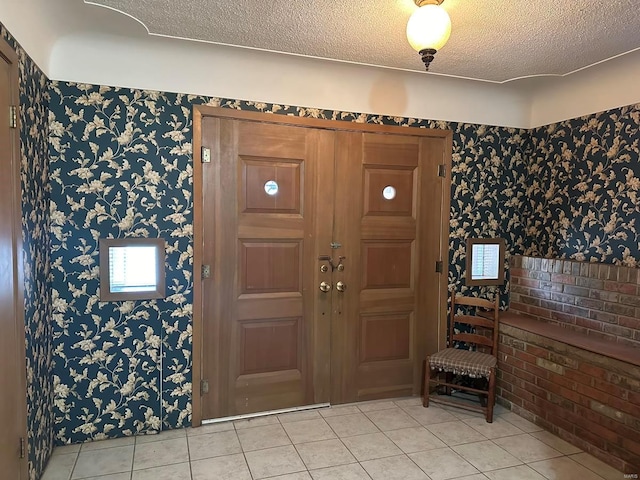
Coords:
pixel 485 262
pixel 132 269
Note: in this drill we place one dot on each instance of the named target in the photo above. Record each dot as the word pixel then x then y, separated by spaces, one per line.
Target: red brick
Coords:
pixel 526 376
pixel 610 435
pixel 630 300
pixel 563 278
pixel 620 287
pixel 523 394
pixel 592 370
pixel 519 307
pixel 588 323
pixel 592 303
pixel 630 322
pixel 529 282
pixel 563 317
pixel 618 309
pixel 562 298
pixel 606 296
pixel 628 342
pixel 602 316
pixel 578 376
pixel 589 392
pixel 535 389
pixel 537 351
pixel 526 357
pixel 576 310
pixel 631 444
pixel 624 406
pixel 517 272
pixel 537 371
pixel 514 362
pixel 511 380
pixel 592 438
pixel 563 380
pixel 512 398
pixel 560 418
pixel 611 389
pixel 619 331
pixel 542 294
pixel 576 291
pixel 590 283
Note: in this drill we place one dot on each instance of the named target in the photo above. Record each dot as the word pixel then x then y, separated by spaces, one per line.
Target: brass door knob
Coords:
pixel 341 286
pixel 325 287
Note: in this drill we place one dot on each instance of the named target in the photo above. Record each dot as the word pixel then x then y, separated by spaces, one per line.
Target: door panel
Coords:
pixel 383 319
pixel 263 321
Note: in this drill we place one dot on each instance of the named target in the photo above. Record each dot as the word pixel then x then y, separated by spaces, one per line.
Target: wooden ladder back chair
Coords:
pixel 478 363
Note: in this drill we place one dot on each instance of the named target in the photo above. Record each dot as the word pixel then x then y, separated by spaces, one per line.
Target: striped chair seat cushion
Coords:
pixel 463 362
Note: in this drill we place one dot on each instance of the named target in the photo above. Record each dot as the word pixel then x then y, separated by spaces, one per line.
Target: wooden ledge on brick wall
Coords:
pixel 580 340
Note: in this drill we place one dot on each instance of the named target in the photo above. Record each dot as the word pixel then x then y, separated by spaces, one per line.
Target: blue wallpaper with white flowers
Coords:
pixel 584 183
pixel 33 117
pixel 121 166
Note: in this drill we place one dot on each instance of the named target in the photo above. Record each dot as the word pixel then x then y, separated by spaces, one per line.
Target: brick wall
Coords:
pixel 597 299
pixel 589 400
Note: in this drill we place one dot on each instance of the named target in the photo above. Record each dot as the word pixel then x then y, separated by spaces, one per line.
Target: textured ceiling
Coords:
pixel 492 40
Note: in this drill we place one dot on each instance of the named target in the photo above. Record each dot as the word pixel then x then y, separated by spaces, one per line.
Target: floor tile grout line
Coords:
pixel 189 455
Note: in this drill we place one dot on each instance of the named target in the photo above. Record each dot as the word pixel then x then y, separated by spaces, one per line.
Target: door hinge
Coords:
pixel 13 116
pixel 23 448
pixel 206 271
pixel 439 266
pixel 206 155
pixel 442 171
pixel 204 387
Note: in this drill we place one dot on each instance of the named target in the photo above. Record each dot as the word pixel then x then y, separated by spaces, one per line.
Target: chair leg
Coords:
pixel 427 377
pixel 492 395
pixel 448 377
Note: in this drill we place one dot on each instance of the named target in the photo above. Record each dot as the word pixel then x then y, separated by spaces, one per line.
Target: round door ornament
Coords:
pixel 271 187
pixel 389 192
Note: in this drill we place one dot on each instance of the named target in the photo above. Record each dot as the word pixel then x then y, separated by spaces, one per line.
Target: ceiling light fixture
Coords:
pixel 428 29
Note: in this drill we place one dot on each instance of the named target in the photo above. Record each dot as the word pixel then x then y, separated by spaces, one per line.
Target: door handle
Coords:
pixel 341 286
pixel 325 287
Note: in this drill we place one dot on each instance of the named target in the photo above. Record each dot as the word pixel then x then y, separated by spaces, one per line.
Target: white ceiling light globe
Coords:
pixel 428 27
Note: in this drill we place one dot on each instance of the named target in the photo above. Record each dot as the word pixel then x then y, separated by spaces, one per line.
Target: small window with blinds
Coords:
pixel 485 261
pixel 132 269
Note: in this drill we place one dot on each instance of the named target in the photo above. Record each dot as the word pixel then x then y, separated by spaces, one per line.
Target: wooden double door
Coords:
pixel 323 246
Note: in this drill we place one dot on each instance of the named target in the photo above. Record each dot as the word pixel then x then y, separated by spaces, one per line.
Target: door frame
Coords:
pixel 9 55
pixel 200 111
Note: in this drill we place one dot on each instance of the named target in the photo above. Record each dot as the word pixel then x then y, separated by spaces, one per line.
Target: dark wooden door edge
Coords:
pixel 11 57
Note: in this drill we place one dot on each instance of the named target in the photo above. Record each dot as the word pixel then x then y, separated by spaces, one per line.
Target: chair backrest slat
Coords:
pixel 473 338
pixel 474 302
pixel 484 322
pixel 475 320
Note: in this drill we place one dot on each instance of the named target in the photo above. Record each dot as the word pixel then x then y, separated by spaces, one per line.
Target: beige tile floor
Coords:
pixel 384 440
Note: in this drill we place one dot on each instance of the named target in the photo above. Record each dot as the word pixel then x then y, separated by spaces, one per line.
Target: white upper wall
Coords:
pixel 108 48
pixel 197 68
pixel 611 84
pixel 29 22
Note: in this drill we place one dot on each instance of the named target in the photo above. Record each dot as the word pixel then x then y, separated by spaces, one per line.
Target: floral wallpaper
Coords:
pixel 34 106
pixel 121 165
pixel 583 184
